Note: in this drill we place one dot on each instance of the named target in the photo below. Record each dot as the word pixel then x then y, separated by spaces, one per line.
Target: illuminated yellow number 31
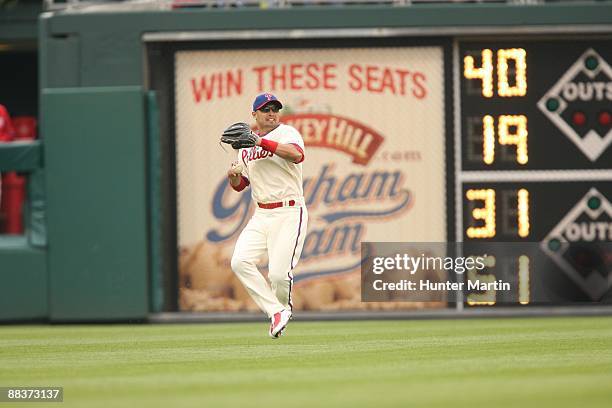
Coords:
pixel 486 214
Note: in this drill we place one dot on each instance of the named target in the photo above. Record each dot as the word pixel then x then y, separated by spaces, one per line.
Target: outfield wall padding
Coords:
pixel 96 189
pixel 23 273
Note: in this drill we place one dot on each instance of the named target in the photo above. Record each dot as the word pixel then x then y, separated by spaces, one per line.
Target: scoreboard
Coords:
pixel 534 162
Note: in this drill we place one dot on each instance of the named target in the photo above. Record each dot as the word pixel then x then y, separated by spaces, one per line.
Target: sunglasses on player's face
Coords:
pixel 268 108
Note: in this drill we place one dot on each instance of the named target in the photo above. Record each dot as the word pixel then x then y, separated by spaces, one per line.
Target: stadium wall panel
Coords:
pixel 23 291
pixel 111 46
pixel 96 189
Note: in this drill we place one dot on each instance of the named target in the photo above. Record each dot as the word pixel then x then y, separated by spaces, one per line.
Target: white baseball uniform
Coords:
pixel 278 225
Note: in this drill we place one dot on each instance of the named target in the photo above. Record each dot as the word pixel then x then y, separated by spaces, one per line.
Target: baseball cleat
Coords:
pixel 278 322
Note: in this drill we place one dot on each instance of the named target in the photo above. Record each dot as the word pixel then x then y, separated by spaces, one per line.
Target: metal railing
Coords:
pixel 135 5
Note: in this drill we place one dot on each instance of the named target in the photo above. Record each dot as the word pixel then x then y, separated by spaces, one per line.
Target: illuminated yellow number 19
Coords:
pixel 518 138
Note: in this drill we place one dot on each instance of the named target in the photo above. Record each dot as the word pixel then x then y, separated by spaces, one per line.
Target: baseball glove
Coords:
pixel 239 135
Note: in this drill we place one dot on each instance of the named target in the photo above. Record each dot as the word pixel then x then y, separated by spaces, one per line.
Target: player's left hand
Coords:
pixel 239 136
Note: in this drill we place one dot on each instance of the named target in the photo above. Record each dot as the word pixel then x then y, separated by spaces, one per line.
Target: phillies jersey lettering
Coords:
pixel 273 178
pixel 254 153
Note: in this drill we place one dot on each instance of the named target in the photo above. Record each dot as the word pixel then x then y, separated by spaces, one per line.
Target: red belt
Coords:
pixel 270 206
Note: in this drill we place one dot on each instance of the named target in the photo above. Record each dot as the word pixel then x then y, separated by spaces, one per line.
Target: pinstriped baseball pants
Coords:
pixel 280 233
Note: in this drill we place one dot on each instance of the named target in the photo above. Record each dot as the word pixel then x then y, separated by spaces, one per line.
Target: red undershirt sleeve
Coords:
pixel 301 151
pixel 244 182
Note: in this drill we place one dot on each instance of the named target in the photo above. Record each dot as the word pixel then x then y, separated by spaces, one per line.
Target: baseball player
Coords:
pixel 271 163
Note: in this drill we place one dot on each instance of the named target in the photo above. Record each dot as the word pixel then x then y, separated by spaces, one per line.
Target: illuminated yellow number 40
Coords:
pixel 485 72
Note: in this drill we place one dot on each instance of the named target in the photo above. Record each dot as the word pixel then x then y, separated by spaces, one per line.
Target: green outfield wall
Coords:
pixel 92 250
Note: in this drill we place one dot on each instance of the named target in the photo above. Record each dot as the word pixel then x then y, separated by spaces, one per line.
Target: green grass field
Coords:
pixel 538 362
